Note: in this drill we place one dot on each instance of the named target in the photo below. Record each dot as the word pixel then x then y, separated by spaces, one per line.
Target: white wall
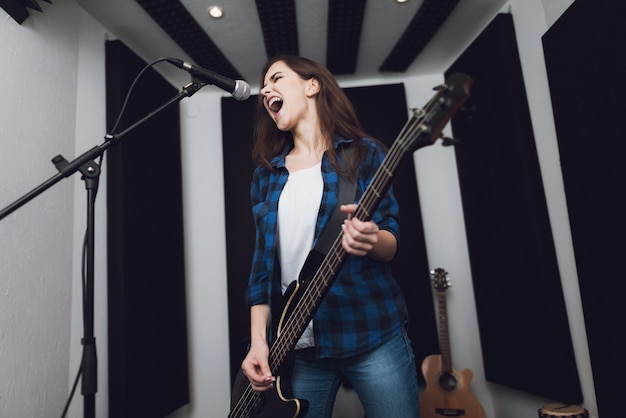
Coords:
pixel 52 79
pixel 40 302
pixel 205 243
pixel 90 131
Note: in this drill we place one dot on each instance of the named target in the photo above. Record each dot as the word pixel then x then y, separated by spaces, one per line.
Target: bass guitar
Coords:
pixel 423 128
pixel 448 392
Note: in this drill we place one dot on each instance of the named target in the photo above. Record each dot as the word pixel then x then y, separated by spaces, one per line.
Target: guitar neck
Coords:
pixel 321 282
pixel 444 337
pixel 423 128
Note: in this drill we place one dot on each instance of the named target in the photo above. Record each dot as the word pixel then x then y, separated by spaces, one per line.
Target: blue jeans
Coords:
pixel 385 380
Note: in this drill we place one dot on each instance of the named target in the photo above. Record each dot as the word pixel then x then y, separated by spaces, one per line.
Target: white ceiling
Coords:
pixel 238 34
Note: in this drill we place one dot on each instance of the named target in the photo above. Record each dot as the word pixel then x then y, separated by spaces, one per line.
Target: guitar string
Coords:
pixel 337 253
pixel 246 403
pixel 314 292
pixel 305 307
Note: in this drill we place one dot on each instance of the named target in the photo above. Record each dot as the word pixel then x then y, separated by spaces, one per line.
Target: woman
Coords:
pixel 358 333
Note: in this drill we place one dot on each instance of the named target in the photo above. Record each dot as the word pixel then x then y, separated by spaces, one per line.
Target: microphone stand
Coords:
pixel 90 171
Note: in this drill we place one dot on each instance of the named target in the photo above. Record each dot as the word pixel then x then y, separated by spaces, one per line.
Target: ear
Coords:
pixel 312 87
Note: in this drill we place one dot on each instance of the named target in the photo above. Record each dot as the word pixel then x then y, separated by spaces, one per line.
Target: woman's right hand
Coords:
pixel 256 367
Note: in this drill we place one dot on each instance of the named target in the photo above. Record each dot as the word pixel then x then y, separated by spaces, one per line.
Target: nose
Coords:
pixel 266 89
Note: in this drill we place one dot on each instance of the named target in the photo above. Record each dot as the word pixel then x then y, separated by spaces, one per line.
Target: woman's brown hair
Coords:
pixel 336 113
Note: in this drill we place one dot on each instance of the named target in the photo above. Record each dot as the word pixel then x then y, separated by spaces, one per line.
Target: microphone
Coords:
pixel 239 89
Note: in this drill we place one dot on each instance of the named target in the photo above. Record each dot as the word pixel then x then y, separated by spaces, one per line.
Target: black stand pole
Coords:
pixel 90 170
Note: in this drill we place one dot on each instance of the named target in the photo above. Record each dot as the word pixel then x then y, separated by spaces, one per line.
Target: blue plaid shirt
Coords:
pixel 364 306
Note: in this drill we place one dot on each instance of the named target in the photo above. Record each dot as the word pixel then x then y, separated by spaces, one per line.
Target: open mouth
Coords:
pixel 275 104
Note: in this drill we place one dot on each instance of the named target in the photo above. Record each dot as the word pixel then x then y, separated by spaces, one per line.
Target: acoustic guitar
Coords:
pixel 448 392
pixel 423 128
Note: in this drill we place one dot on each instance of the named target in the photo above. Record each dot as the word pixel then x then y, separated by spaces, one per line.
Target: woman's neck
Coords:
pixel 307 152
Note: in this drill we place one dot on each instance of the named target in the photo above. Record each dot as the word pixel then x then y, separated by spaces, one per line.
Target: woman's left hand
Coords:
pixel 358 237
pixel 365 238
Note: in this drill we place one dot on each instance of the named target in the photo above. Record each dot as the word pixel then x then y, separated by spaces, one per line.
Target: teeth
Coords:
pixel 274 100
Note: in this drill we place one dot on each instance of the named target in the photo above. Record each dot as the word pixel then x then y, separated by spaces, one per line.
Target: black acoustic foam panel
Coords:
pixel 584 52
pixel 523 324
pixel 148 367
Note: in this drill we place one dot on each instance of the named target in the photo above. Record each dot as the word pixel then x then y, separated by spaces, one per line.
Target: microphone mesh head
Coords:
pixel 242 90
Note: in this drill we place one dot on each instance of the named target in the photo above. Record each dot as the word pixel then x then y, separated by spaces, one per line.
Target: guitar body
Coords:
pixel 447 394
pixel 279 401
pixel 273 403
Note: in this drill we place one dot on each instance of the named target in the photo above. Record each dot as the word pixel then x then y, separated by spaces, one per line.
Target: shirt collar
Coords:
pixel 279 160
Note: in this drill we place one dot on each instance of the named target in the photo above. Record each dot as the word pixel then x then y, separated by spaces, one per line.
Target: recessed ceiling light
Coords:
pixel 215 12
pixel 401 1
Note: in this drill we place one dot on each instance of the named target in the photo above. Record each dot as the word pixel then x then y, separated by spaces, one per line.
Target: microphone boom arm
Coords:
pixel 66 168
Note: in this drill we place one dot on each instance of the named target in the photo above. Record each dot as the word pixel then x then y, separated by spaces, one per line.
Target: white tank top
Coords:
pixel 298 208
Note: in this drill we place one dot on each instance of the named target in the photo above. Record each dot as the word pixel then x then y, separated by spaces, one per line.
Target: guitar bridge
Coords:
pixel 450 412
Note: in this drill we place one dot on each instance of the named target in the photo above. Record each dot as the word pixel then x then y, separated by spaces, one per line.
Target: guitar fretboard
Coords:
pixel 313 295
pixel 444 336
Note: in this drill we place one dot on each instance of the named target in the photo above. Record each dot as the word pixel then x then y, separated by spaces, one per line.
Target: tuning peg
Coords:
pixel 447 141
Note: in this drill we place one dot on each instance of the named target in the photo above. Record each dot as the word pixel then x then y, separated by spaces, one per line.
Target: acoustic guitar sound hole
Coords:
pixel 447 382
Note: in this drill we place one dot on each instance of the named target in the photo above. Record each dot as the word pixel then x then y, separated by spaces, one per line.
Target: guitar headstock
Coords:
pixel 440 279
pixel 425 125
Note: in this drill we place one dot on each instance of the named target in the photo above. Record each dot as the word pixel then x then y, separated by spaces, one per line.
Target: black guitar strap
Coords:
pixel 347 191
